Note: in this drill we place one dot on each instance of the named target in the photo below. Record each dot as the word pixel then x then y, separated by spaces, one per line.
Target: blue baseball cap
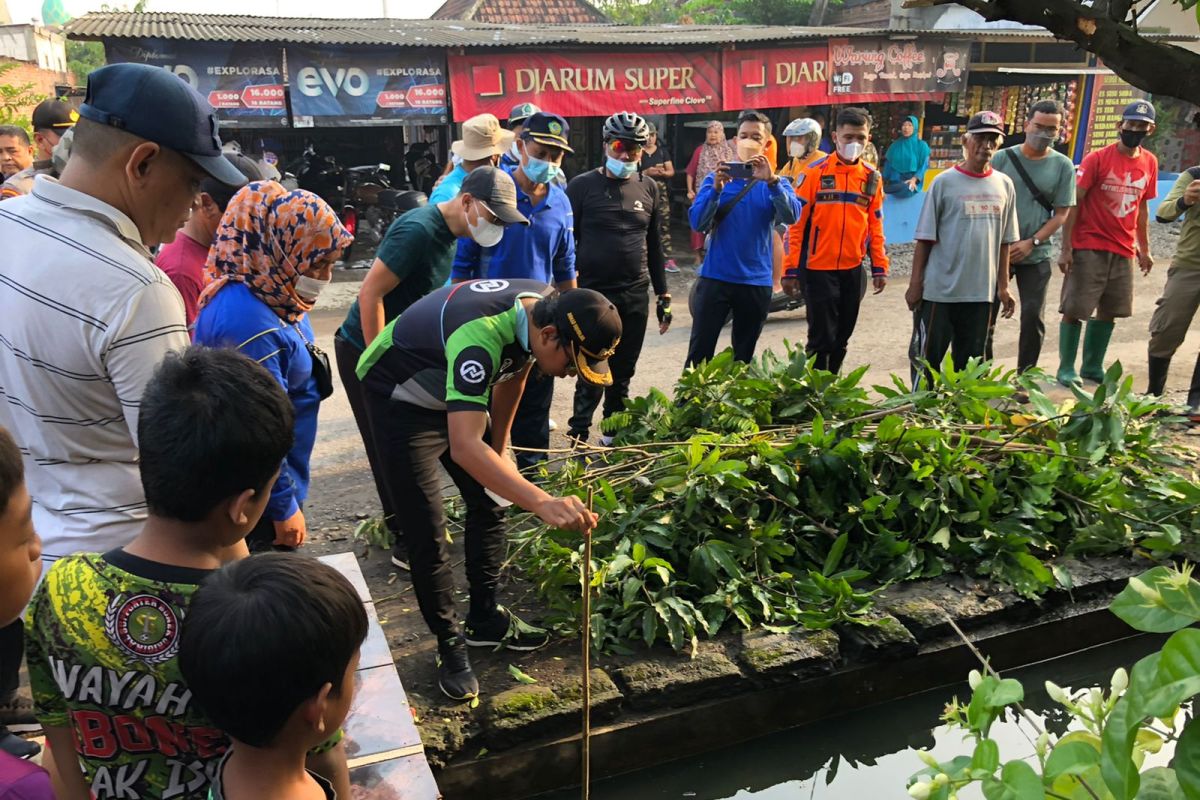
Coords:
pixel 1139 111
pixel 160 107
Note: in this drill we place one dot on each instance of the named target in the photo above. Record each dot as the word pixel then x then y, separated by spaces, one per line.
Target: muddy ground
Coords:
pixel 342 492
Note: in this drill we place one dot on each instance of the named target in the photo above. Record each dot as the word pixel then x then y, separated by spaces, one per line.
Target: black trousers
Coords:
pixel 712 303
pixel 834 298
pixel 347 355
pixel 531 425
pixel 1032 280
pixel 634 307
pixel 960 328
pixel 410 442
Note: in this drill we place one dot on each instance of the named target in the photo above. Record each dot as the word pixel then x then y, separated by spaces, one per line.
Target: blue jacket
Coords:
pixel 543 251
pixel 236 318
pixel 740 249
pixel 450 186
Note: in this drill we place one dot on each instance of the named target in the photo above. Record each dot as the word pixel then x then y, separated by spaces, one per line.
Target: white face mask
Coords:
pixel 851 150
pixel 797 150
pixel 484 232
pixel 310 288
pixel 513 151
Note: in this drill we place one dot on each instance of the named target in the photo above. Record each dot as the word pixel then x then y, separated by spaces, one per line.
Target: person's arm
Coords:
pixel 1145 258
pixel 151 325
pixel 926 236
pixel 704 207
pixel 656 261
pixel 1067 252
pixel 923 164
pixel 506 396
pixel 66 775
pixel 783 196
pixel 563 267
pixel 880 264
pixel 692 167
pixel 379 282
pixel 668 169
pixel 916 281
pixel 331 765
pixel 466 260
pixel 1183 195
pixel 795 249
pixel 500 475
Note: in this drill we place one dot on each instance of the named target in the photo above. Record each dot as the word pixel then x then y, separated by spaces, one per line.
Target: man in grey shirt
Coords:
pixel 1045 184
pixel 960 265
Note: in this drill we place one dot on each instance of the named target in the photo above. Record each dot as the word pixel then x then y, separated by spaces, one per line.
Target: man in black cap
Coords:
pixel 51 119
pixel 429 378
pixel 516 123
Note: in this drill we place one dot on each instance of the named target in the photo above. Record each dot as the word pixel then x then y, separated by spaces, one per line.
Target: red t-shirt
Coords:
pixel 183 261
pixel 1116 186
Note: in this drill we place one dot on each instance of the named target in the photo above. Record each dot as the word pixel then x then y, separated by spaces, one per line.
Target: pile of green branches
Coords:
pixel 770 494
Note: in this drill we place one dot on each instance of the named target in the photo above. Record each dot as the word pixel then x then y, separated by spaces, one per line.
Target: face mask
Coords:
pixel 456 159
pixel 748 149
pixel 619 168
pixel 851 150
pixel 310 289
pixel 797 150
pixel 539 171
pixel 1132 139
pixel 485 233
pixel 1039 140
pixel 513 151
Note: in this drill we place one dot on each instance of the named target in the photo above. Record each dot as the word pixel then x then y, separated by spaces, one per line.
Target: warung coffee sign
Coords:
pixel 345 86
pixel 244 83
pixel 861 69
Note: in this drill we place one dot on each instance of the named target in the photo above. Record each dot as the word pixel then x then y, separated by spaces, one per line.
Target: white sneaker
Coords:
pixel 553 425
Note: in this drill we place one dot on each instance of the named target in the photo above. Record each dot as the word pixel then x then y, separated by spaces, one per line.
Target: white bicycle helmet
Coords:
pixel 804 128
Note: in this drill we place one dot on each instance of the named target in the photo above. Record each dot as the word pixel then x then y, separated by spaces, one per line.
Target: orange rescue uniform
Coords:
pixel 841 219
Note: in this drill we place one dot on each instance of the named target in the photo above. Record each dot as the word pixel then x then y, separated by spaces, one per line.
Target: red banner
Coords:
pixel 776 78
pixel 582 84
pixel 862 70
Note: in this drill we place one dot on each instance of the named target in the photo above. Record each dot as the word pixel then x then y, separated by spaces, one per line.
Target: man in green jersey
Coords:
pixel 429 377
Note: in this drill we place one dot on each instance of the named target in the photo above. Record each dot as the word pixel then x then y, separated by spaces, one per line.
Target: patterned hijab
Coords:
pixel 711 155
pixel 267 239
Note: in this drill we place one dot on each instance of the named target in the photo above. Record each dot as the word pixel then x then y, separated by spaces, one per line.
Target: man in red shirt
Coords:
pixel 183 259
pixel 1104 231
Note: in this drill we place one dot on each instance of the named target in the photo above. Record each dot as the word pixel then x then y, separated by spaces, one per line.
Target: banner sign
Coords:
pixel 775 78
pixel 365 86
pixel 861 70
pixel 243 82
pixel 1110 95
pixel 583 84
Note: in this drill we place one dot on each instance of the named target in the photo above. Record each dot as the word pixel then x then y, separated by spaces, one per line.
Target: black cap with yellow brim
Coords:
pixel 592 326
pixel 548 129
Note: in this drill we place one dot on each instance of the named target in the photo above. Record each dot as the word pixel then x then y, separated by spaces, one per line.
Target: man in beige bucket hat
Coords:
pixel 482 143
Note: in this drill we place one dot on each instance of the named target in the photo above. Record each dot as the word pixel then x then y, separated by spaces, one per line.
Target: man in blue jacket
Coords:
pixel 738 215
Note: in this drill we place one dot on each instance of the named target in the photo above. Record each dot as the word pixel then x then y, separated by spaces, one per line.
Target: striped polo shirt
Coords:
pixel 87 318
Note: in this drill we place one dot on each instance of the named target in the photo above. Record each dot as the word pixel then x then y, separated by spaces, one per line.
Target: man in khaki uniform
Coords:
pixel 1181 294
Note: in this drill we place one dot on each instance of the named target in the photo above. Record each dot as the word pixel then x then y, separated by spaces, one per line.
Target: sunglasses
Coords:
pixel 621 146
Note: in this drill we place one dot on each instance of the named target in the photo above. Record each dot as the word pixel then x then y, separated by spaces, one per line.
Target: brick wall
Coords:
pixel 43 80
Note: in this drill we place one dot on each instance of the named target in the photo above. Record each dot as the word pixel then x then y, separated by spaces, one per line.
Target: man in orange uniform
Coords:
pixel 841 218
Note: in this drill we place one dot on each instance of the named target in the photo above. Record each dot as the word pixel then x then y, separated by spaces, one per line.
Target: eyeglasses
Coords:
pixel 491 216
pixel 620 146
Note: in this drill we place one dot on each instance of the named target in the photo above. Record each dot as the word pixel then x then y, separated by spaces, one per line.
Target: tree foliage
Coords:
pixel 16 99
pixel 708 12
pixel 83 58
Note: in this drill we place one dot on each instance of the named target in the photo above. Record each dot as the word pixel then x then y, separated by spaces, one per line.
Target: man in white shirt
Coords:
pixel 87 316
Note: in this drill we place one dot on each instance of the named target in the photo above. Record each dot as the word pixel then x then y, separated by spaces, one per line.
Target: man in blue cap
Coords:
pixel 542 251
pixel 516 123
pixel 87 316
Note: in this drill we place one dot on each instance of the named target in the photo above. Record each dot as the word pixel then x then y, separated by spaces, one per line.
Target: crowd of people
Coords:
pixel 161 412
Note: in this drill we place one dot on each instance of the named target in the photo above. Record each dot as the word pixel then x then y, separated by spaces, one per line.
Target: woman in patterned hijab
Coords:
pixel 274 252
pixel 270 239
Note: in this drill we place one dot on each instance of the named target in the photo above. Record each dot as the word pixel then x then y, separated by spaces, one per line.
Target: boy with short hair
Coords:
pixel 251 619
pixel 20 566
pixel 104 629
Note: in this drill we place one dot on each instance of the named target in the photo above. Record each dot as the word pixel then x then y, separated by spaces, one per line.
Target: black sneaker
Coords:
pixel 455 678
pixel 17 711
pixel 16 746
pixel 400 556
pixel 505 629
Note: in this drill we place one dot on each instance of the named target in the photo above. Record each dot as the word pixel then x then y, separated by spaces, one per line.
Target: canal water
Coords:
pixel 867 754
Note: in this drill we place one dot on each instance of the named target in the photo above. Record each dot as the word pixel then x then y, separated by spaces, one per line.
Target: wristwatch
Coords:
pixel 1036 241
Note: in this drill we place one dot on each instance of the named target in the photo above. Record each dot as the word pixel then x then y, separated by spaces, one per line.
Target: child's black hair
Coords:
pixel 12 469
pixel 213 424
pixel 263 635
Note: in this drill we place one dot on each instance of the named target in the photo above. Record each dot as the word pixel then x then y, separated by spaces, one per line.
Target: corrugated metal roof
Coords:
pixel 461 33
pixel 521 12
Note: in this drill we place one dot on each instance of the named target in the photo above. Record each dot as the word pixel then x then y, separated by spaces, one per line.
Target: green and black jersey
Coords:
pixel 448 349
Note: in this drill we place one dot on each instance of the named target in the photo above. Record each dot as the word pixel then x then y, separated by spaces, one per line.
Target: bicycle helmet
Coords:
pixel 627 127
pixel 804 128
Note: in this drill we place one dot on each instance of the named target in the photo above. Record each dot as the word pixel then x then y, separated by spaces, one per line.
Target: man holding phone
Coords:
pixel 738 207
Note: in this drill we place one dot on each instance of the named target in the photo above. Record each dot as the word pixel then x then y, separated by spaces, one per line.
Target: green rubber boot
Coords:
pixel 1068 346
pixel 1095 345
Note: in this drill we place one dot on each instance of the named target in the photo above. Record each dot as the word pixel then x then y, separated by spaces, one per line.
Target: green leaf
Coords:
pixel 986 757
pixel 1071 758
pixel 639 552
pixel 1149 603
pixel 520 676
pixel 1187 761
pixel 1018 781
pixel 1007 692
pixel 835 554
pixel 942 537
pixel 1161 783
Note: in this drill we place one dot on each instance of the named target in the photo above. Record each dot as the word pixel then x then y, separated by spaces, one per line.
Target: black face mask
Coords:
pixel 1132 139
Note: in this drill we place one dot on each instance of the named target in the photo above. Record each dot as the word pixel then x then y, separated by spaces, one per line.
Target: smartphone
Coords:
pixel 740 170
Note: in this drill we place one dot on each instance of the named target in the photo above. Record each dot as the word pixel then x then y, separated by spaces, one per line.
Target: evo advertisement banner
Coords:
pixel 583 84
pixel 775 78
pixel 365 86
pixel 861 70
pixel 243 82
